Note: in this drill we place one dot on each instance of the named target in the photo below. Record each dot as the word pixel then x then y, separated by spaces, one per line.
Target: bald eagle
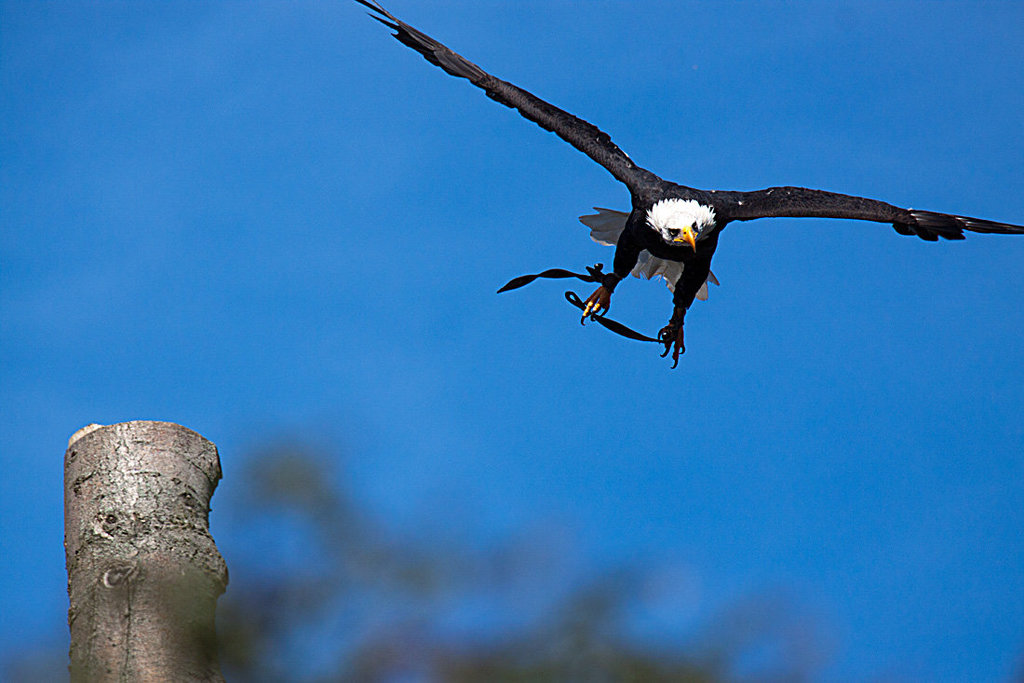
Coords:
pixel 672 230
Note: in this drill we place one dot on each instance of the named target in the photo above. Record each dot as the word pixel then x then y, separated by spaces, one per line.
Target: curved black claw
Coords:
pixel 672 336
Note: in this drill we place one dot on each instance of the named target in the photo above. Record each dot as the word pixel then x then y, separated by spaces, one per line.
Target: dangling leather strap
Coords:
pixel 613 325
pixel 593 274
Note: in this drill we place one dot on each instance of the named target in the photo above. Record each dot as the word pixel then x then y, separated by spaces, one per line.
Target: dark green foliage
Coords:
pixel 358 601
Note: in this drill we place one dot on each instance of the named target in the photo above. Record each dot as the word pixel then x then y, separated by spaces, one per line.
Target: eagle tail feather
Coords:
pixel 606 225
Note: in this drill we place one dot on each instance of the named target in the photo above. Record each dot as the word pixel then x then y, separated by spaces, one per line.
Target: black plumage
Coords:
pixel 648 190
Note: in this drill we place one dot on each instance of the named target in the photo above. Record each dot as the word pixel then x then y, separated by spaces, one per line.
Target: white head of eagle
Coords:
pixel 681 221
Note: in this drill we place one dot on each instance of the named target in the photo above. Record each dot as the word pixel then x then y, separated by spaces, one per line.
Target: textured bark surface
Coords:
pixel 144 574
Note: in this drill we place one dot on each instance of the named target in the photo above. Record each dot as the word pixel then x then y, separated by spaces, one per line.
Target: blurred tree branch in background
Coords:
pixel 346 598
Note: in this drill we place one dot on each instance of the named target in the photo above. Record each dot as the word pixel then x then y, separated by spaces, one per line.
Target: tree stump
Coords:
pixel 144 574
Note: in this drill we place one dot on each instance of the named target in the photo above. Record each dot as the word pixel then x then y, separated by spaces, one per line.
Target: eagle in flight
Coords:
pixel 672 230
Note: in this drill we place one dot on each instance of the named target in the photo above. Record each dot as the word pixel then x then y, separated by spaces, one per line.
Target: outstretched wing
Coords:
pixel 800 202
pixel 584 136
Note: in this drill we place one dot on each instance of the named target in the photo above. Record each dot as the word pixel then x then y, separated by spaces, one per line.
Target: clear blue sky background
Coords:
pixel 256 217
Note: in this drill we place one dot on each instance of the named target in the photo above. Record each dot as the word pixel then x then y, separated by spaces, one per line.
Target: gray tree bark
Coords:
pixel 144 574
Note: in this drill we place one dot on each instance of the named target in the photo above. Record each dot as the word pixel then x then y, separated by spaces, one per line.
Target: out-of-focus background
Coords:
pixel 272 223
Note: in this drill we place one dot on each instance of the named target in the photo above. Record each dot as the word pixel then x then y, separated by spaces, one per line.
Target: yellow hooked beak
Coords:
pixel 688 237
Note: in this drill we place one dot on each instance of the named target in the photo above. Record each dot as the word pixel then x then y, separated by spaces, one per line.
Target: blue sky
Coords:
pixel 252 218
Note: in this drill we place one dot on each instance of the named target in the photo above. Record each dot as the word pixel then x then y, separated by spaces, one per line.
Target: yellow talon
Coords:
pixel 595 304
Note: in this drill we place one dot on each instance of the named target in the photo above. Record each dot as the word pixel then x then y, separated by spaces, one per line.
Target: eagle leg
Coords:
pixel 596 304
pixel 672 335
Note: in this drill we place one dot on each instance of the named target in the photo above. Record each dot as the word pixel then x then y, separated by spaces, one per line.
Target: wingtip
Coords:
pixel 376 7
pixel 390 24
pixel 378 12
pixel 951 226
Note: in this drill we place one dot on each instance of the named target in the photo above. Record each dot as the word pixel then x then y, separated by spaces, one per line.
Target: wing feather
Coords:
pixel 800 202
pixel 582 135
